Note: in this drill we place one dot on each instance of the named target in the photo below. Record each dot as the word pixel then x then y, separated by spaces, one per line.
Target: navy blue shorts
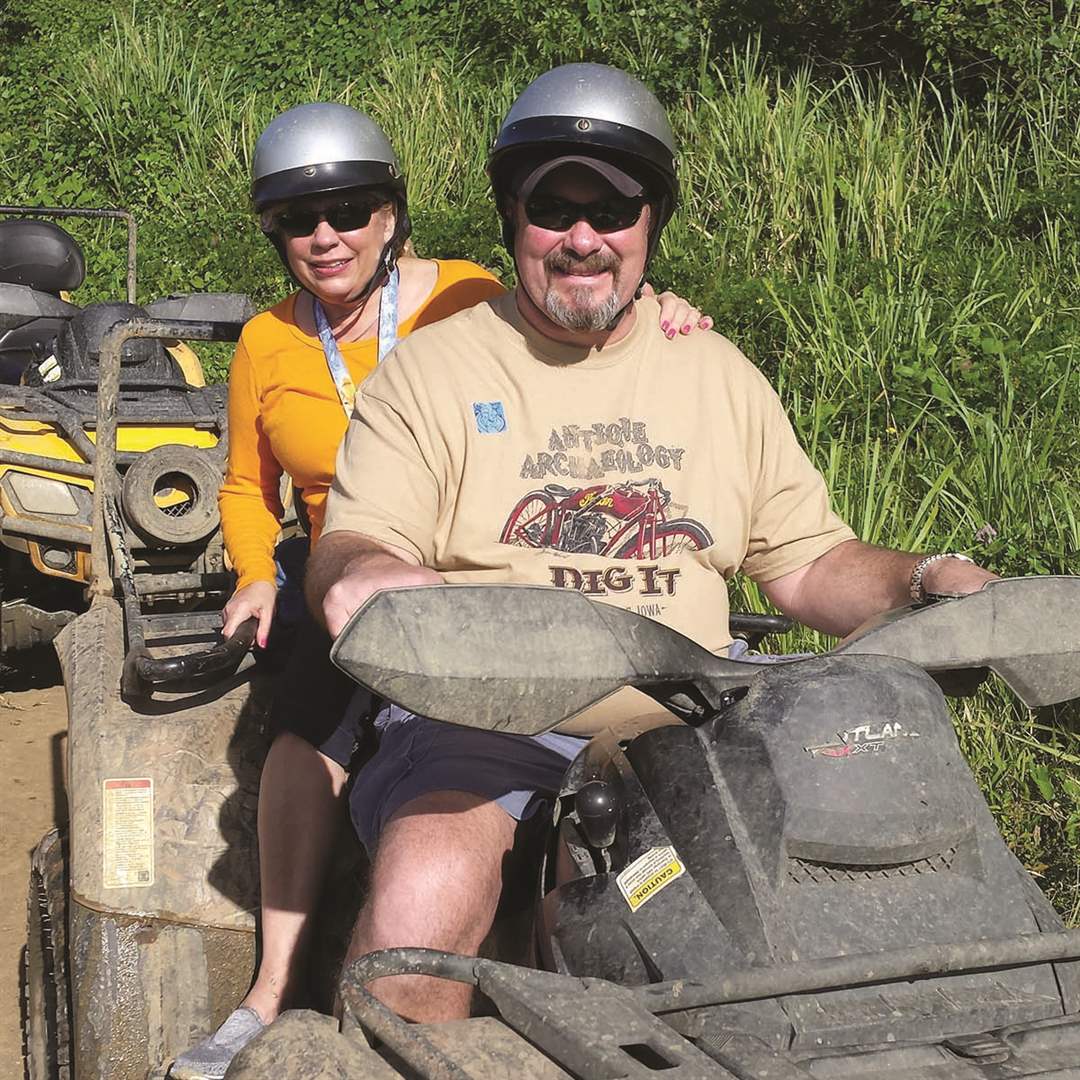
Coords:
pixel 418 756
pixel 318 701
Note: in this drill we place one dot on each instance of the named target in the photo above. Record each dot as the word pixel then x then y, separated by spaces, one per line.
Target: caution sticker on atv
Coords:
pixel 127 816
pixel 645 877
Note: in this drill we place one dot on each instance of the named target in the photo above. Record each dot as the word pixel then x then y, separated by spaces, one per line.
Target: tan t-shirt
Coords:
pixel 644 474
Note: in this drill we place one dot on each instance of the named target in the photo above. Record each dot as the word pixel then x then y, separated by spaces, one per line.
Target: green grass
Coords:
pixel 902 263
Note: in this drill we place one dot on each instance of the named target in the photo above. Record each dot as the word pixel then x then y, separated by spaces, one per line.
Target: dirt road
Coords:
pixel 33 726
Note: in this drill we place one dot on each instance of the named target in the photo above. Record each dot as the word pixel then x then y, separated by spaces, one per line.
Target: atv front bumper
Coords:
pixel 555 1026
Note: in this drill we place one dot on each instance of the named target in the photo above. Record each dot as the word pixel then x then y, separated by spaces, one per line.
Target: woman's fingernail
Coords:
pixel 670 334
pixel 665 326
pixel 687 328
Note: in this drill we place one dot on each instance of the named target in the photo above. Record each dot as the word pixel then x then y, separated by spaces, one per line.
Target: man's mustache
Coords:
pixel 567 262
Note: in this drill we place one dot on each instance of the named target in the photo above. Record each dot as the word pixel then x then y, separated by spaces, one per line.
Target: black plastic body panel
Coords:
pixel 827 813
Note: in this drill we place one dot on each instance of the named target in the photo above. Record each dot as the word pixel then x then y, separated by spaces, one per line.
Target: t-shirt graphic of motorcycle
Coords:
pixel 623 520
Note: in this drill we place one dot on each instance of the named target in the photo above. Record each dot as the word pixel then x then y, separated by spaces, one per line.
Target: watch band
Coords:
pixel 916 587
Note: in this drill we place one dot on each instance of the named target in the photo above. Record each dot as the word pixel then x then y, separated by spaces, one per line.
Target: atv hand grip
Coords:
pixel 752 627
pixel 222 659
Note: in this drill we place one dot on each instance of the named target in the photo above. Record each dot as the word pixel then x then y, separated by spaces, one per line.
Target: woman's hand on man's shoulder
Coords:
pixel 677 316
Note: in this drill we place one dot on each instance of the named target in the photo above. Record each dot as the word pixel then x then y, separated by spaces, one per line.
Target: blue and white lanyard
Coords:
pixel 388 338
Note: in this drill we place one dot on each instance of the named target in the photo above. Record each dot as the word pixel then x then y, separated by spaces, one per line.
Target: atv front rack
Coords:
pixel 112 566
pixel 595 1028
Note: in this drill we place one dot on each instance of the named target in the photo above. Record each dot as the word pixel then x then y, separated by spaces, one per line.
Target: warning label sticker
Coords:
pixel 128 825
pixel 645 877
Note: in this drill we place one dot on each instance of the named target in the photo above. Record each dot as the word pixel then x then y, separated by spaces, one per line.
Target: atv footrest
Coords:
pixel 591 1027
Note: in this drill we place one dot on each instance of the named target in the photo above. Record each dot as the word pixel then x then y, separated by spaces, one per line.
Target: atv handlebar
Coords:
pixel 752 627
pixel 142 670
pixel 485 656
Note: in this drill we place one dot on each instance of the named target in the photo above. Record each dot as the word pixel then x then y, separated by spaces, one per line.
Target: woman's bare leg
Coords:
pixel 299 796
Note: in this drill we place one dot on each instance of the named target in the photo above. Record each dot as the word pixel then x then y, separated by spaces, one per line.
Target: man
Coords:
pixel 552 436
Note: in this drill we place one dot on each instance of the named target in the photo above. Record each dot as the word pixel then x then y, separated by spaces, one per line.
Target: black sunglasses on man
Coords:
pixel 610 214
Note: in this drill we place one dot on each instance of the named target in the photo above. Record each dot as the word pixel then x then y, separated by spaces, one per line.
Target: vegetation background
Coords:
pixel 880 207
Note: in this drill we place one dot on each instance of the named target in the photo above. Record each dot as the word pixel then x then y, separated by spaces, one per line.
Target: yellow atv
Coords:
pixel 171 436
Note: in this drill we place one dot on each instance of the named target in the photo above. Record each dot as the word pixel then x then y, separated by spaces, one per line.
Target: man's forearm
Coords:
pixel 346 568
pixel 855 581
pixel 330 561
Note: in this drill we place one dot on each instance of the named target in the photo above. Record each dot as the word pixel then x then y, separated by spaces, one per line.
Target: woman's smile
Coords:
pixel 329 269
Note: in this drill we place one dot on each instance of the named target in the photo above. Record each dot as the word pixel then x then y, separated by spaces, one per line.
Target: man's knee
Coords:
pixel 438 871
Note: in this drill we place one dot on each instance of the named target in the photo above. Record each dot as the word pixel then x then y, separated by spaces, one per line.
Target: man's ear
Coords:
pixel 507 207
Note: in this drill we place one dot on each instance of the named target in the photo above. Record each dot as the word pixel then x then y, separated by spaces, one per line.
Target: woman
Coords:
pixel 332 200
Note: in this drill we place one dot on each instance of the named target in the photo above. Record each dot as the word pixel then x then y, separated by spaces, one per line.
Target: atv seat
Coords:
pixel 41 255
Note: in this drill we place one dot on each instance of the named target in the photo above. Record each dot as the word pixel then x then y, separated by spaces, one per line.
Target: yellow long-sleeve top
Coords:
pixel 285 414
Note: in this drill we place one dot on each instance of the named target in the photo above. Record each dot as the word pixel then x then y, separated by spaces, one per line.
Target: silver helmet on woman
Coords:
pixel 321 148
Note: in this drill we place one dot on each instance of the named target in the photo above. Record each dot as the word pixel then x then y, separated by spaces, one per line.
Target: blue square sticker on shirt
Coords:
pixel 490 418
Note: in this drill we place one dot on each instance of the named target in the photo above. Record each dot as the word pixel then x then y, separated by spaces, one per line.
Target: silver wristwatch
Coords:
pixel 916 588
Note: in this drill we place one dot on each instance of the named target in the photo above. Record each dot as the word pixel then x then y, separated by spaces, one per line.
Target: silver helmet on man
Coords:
pixel 321 148
pixel 594 111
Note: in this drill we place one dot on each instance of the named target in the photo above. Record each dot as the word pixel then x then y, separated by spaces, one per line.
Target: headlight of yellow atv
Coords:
pixel 42 495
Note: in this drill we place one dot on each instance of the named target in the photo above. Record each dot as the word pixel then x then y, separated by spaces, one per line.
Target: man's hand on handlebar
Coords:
pixel 346 568
pixel 954 577
pixel 374 572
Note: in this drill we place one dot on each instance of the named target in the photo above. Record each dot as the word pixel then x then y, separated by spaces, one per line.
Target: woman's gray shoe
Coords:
pixel 210 1059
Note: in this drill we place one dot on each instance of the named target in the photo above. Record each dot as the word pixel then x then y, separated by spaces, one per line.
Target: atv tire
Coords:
pixel 47 1023
pixel 200 476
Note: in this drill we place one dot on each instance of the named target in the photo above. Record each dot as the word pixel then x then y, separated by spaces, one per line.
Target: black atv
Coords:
pixel 798 880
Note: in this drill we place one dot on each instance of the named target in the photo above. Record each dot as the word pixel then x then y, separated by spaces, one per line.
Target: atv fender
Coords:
pixel 164 882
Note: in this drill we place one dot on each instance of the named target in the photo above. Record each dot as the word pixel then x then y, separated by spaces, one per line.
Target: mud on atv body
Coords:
pixel 803 882
pixel 171 438
pixel 141 919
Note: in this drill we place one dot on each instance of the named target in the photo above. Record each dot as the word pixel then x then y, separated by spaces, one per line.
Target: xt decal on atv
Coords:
pixel 861 740
pixel 624 520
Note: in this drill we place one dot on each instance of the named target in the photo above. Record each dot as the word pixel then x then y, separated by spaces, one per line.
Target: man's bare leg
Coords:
pixel 435 884
pixel 299 796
